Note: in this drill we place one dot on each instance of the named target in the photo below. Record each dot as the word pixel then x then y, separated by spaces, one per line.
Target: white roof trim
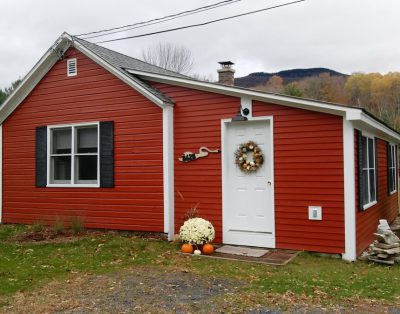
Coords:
pixel 48 60
pixel 33 78
pixel 120 74
pixel 351 114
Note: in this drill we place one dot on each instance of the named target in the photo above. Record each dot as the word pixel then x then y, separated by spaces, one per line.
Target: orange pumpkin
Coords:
pixel 208 249
pixel 187 248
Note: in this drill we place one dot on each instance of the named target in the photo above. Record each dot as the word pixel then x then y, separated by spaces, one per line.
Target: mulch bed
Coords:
pixel 49 235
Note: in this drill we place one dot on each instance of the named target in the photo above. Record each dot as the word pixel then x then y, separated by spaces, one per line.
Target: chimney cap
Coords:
pixel 226 63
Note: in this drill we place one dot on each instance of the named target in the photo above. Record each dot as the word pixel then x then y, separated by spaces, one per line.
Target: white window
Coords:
pixel 73 155
pixel 368 171
pixel 392 168
pixel 72 67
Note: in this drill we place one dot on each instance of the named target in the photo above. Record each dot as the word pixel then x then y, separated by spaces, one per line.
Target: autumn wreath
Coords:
pixel 243 159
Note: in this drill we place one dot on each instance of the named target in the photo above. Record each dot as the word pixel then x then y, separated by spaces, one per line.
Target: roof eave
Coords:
pixel 34 76
pixel 349 113
pixel 122 75
pixel 47 61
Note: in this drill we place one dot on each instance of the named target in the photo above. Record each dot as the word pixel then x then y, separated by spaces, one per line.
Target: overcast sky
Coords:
pixel 344 35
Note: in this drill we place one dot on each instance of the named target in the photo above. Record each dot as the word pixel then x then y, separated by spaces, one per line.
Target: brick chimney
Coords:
pixel 226 75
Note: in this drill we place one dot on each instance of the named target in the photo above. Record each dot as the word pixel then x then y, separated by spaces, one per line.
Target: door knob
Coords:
pixel 269 182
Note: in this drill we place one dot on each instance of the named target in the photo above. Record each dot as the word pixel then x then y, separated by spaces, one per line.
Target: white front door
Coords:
pixel 248 206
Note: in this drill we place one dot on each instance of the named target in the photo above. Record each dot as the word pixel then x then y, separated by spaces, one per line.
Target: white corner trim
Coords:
pixel 349 192
pixel 168 171
pixel 1 173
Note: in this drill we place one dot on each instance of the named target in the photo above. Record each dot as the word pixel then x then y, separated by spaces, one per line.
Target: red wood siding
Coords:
pixel 386 208
pixel 136 201
pixel 197 122
pixel 308 167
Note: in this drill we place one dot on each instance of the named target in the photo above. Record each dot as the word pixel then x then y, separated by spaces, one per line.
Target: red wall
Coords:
pixel 308 167
pixel 386 208
pixel 136 201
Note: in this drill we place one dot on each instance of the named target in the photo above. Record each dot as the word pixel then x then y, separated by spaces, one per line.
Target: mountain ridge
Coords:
pixel 288 76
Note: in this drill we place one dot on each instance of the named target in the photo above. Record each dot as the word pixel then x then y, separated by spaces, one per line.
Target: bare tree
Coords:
pixel 170 57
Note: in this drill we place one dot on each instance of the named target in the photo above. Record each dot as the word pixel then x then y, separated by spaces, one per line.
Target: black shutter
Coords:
pixel 360 172
pixel 107 154
pixel 376 169
pixel 388 157
pixel 41 156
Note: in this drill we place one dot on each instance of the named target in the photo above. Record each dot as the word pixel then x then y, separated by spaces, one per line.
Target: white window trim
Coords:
pixel 374 202
pixel 72 184
pixel 73 60
pixel 392 145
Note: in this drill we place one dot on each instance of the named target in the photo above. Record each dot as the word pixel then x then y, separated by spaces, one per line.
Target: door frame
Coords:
pixel 224 165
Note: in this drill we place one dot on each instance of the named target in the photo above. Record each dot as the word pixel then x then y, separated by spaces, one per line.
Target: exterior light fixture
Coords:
pixel 241 114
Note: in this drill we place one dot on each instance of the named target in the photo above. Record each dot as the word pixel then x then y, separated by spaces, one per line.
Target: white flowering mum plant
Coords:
pixel 197 231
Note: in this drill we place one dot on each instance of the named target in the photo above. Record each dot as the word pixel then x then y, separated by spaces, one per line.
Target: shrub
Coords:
pixel 38 226
pixel 191 212
pixel 77 225
pixel 58 226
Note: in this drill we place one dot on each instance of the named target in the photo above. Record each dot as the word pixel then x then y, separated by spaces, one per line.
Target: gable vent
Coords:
pixel 72 67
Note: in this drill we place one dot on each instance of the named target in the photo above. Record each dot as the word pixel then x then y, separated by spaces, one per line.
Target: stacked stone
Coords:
pixel 386 247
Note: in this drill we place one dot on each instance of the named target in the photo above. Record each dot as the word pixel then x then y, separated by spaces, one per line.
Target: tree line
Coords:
pixel 379 94
pixel 8 90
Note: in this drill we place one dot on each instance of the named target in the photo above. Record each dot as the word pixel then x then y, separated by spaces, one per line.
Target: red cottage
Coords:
pixel 97 134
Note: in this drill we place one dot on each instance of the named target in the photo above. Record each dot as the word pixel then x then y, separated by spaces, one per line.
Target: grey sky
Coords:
pixel 344 35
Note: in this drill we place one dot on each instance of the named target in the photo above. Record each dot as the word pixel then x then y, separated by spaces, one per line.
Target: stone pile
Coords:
pixel 386 247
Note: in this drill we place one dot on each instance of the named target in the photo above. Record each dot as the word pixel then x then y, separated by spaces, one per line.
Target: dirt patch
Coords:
pixel 150 290
pixel 143 290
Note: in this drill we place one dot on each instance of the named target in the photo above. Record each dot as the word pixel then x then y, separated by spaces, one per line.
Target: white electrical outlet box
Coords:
pixel 314 212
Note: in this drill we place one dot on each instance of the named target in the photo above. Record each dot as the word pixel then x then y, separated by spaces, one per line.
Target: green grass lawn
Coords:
pixel 24 267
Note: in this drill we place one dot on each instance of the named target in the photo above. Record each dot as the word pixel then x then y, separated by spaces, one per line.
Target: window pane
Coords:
pixel 86 169
pixel 390 160
pixel 61 169
pixel 365 187
pixel 364 152
pixel 371 149
pixel 61 143
pixel 393 157
pixel 391 180
pixel 372 185
pixel 87 140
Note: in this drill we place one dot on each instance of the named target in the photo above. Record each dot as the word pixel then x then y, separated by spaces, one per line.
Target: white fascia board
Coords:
pixel 377 125
pixel 33 77
pixel 121 75
pixel 47 62
pixel 239 92
pixel 351 114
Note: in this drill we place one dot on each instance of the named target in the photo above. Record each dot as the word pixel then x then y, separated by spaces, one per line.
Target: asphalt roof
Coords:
pixel 125 62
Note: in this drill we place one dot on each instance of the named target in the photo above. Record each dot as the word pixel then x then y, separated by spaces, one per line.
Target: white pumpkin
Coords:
pixel 197 252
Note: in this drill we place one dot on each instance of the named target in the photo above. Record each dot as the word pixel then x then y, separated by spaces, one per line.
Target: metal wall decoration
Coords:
pixel 203 152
